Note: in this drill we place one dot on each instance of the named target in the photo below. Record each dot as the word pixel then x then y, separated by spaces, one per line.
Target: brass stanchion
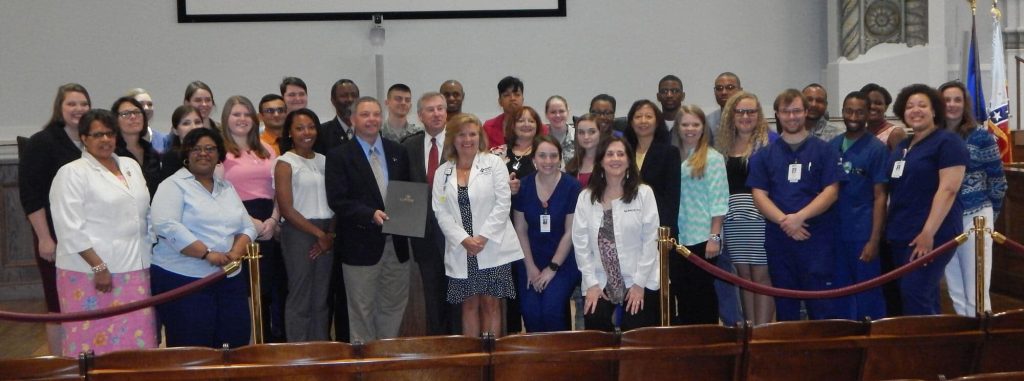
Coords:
pixel 255 304
pixel 979 265
pixel 665 246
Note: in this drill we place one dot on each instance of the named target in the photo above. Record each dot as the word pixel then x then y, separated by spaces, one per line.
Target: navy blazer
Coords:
pixel 329 134
pixel 353 196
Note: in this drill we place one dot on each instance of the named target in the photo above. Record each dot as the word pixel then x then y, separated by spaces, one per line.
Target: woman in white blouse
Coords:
pixel 472 200
pixel 307 233
pixel 99 204
pixel 615 235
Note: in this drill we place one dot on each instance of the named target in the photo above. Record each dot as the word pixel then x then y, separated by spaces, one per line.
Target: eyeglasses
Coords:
pixel 204 149
pixel 129 114
pixel 602 112
pixel 745 111
pixel 276 110
pixel 791 111
pixel 726 87
pixel 100 135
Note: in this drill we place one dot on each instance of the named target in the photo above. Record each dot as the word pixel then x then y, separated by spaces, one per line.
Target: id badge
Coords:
pixel 794 172
pixel 545 223
pixel 897 169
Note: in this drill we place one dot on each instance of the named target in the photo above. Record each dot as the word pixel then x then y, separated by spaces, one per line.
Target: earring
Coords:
pixel 602 175
pixel 184 162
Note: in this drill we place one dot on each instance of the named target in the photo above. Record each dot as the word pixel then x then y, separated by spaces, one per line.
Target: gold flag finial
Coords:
pixel 974 5
pixel 996 14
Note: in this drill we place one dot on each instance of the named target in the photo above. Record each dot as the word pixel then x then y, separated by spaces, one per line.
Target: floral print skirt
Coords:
pixel 133 330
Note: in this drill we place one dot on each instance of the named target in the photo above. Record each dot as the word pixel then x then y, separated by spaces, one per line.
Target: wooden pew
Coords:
pixel 39 368
pixel 426 358
pixel 922 347
pixel 1003 376
pixel 576 355
pixel 700 352
pixel 806 350
pixel 181 363
pixel 292 362
pixel 1003 350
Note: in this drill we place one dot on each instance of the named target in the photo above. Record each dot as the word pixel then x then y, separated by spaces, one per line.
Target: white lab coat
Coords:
pixel 636 240
pixel 490 200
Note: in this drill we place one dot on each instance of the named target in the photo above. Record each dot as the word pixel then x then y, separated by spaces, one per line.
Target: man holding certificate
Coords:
pixel 375 264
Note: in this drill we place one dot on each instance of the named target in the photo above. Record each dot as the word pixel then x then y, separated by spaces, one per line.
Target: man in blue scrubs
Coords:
pixel 795 181
pixel 861 207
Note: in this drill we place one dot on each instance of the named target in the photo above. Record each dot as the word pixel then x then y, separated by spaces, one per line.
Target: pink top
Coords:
pixel 885 131
pixel 251 176
pixel 584 179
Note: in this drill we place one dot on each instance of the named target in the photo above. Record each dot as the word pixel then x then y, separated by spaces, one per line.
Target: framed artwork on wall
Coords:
pixel 196 11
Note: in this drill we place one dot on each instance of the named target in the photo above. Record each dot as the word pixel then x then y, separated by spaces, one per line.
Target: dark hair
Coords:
pixel 856 94
pixel 334 87
pixel 510 83
pixel 268 98
pixel 597 184
pixel 814 85
pixel 730 75
pixel 967 122
pixel 672 78
pixel 661 136
pixel 294 81
pixel 180 113
pixel 105 117
pixel 871 87
pixel 192 138
pixel 546 139
pixel 194 86
pixel 127 99
pixel 938 106
pixel 399 87
pixel 361 100
pixel 286 136
pixel 574 164
pixel 602 97
pixel 510 124
pixel 57 117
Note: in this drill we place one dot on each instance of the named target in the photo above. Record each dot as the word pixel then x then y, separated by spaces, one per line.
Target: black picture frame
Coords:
pixel 185 17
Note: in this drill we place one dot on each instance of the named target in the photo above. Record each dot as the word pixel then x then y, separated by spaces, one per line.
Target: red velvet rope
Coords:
pixel 116 310
pixel 823 294
pixel 1014 245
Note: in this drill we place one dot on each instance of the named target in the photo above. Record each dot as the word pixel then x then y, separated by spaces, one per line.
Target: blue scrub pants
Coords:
pixel 850 270
pixel 547 311
pixel 209 317
pixel 919 289
pixel 803 265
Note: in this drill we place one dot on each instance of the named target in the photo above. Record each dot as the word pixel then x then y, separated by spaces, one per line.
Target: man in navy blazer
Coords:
pixel 338 130
pixel 375 265
pixel 429 250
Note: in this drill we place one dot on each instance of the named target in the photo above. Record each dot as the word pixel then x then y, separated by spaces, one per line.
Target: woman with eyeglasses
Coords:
pixel 39 158
pixel 201 225
pixel 133 125
pixel 100 206
pixel 743 131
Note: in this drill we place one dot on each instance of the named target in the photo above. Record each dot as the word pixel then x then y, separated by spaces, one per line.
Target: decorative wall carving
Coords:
pixel 866 23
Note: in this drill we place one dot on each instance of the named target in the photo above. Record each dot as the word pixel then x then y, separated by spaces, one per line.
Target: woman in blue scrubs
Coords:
pixel 925 173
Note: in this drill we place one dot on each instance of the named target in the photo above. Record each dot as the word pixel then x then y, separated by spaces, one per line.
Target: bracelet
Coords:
pixel 99 268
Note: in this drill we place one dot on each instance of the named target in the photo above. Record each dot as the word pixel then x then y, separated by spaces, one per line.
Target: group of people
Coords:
pixel 526 216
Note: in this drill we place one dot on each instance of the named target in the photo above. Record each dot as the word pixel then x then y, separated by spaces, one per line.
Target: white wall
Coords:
pixel 617 47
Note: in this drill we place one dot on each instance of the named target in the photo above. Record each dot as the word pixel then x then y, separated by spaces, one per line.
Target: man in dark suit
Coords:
pixel 375 265
pixel 339 129
pixel 424 149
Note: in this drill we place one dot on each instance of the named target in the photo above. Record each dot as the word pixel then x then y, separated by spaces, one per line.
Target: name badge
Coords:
pixel 897 169
pixel 794 172
pixel 545 223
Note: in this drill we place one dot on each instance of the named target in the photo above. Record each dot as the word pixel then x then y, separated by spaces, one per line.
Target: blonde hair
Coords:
pixel 727 129
pixel 252 139
pixel 451 129
pixel 699 160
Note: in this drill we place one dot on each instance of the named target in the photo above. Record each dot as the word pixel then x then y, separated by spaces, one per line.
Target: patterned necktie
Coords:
pixel 378 173
pixel 432 161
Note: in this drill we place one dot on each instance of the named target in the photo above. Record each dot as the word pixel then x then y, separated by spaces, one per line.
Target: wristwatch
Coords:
pixel 553 266
pixel 715 237
pixel 206 254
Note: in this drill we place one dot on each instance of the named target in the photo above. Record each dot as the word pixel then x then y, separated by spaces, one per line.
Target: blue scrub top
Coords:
pixel 561 203
pixel 819 168
pixel 911 195
pixel 864 164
